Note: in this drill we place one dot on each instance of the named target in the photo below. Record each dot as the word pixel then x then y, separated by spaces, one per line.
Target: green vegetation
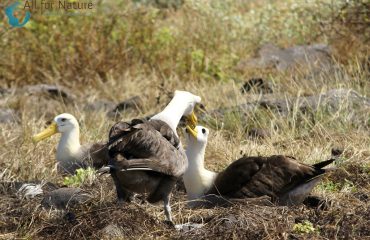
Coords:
pixel 195 42
pixel 82 176
pixel 304 227
pixel 329 186
pixel 345 186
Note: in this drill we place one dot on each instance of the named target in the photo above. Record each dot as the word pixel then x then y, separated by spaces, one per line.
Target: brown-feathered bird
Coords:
pixel 146 156
pixel 282 178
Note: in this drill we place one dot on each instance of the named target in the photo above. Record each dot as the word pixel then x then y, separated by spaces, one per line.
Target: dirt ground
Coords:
pixel 347 215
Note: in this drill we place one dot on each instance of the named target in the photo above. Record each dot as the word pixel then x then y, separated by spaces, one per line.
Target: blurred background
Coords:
pixel 183 39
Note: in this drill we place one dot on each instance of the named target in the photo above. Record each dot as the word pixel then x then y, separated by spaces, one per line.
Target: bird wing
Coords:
pixel 139 146
pixel 257 176
pixel 165 130
pixel 236 175
pixel 98 153
pixel 298 174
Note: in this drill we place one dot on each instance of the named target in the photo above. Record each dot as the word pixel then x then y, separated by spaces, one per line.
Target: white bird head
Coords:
pixel 197 179
pixel 197 136
pixel 66 122
pixel 182 104
pixel 63 123
pixel 188 98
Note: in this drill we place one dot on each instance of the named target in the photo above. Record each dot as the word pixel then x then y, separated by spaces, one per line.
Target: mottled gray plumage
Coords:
pixel 64 198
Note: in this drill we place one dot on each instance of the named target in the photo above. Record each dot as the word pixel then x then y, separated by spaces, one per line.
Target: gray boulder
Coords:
pixel 133 103
pixel 316 56
pixel 9 116
pixel 99 105
pixel 64 198
pixel 333 100
pixel 53 91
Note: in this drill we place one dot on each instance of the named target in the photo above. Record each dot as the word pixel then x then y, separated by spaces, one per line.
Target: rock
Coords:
pixel 133 103
pixel 30 190
pixel 27 189
pixel 332 101
pixel 230 221
pixel 186 227
pixel 258 133
pixel 257 84
pixel 112 231
pixel 316 56
pixel 100 105
pixel 52 91
pixel 9 116
pixel 64 198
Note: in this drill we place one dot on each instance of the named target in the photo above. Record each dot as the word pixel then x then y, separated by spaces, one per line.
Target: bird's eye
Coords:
pixel 203 130
pixel 63 119
pixel 186 130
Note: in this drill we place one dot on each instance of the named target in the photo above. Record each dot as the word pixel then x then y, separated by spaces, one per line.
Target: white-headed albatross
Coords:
pixel 147 156
pixel 282 178
pixel 71 155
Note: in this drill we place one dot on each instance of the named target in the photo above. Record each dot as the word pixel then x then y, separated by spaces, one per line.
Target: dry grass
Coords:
pixel 346 216
pixel 151 53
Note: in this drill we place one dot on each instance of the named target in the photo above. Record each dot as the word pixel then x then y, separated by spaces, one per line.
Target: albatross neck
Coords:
pixel 197 179
pixel 195 154
pixel 172 113
pixel 69 145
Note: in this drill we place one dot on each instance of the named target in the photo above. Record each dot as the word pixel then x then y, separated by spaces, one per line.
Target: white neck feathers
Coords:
pixel 172 113
pixel 197 179
pixel 69 146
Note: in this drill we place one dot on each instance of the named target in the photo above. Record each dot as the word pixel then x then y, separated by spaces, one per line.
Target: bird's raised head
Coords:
pixel 196 136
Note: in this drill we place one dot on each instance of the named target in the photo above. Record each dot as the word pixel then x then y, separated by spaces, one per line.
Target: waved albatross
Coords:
pixel 282 178
pixel 147 156
pixel 71 155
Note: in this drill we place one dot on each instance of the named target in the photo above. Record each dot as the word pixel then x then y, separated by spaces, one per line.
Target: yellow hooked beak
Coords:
pixel 193 132
pixel 191 120
pixel 48 132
